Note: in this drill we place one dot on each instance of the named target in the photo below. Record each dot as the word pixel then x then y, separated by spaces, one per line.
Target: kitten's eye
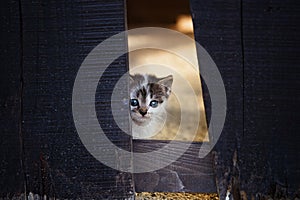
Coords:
pixel 134 102
pixel 154 104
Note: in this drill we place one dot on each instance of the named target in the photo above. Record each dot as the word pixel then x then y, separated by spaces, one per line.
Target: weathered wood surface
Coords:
pixel 270 143
pixel 187 174
pixel 255 44
pixel 56 37
pixel 217 27
pixel 11 171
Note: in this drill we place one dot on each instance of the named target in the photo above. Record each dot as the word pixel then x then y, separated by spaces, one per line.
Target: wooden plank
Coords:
pixel 57 37
pixel 11 171
pixel 217 27
pixel 257 154
pixel 270 144
pixel 189 173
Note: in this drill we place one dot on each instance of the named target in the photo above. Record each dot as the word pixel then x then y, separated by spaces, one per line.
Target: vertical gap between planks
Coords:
pixel 21 94
pixel 243 61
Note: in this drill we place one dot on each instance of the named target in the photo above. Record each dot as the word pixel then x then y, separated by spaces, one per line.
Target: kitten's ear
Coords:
pixel 166 81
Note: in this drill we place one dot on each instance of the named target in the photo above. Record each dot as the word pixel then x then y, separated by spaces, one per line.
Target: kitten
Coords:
pixel 148 100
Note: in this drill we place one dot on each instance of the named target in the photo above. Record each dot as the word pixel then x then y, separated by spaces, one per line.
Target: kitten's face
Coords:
pixel 148 95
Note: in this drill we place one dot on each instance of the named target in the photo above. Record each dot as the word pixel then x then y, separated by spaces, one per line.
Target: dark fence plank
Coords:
pixel 11 172
pixel 257 154
pixel 269 152
pixel 57 37
pixel 217 27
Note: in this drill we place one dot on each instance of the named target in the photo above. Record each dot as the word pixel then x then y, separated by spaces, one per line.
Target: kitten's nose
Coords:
pixel 143 111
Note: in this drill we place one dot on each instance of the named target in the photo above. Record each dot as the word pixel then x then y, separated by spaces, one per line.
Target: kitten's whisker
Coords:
pixel 149 90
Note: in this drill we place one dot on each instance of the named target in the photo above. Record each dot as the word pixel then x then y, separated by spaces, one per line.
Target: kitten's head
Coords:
pixel 148 97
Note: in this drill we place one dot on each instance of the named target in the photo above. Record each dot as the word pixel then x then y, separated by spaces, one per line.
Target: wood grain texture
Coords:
pixel 255 44
pixel 217 27
pixel 57 37
pixel 189 173
pixel 270 144
pixel 11 171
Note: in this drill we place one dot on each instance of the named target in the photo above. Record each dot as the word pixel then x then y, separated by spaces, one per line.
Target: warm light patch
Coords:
pixel 184 24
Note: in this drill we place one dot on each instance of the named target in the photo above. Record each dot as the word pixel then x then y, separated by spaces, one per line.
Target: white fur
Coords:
pixel 157 122
pixel 153 122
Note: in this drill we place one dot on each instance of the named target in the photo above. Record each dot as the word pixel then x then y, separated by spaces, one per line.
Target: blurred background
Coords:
pixel 175 15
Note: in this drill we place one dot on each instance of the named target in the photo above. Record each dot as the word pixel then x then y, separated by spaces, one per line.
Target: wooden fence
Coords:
pixel 255 45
